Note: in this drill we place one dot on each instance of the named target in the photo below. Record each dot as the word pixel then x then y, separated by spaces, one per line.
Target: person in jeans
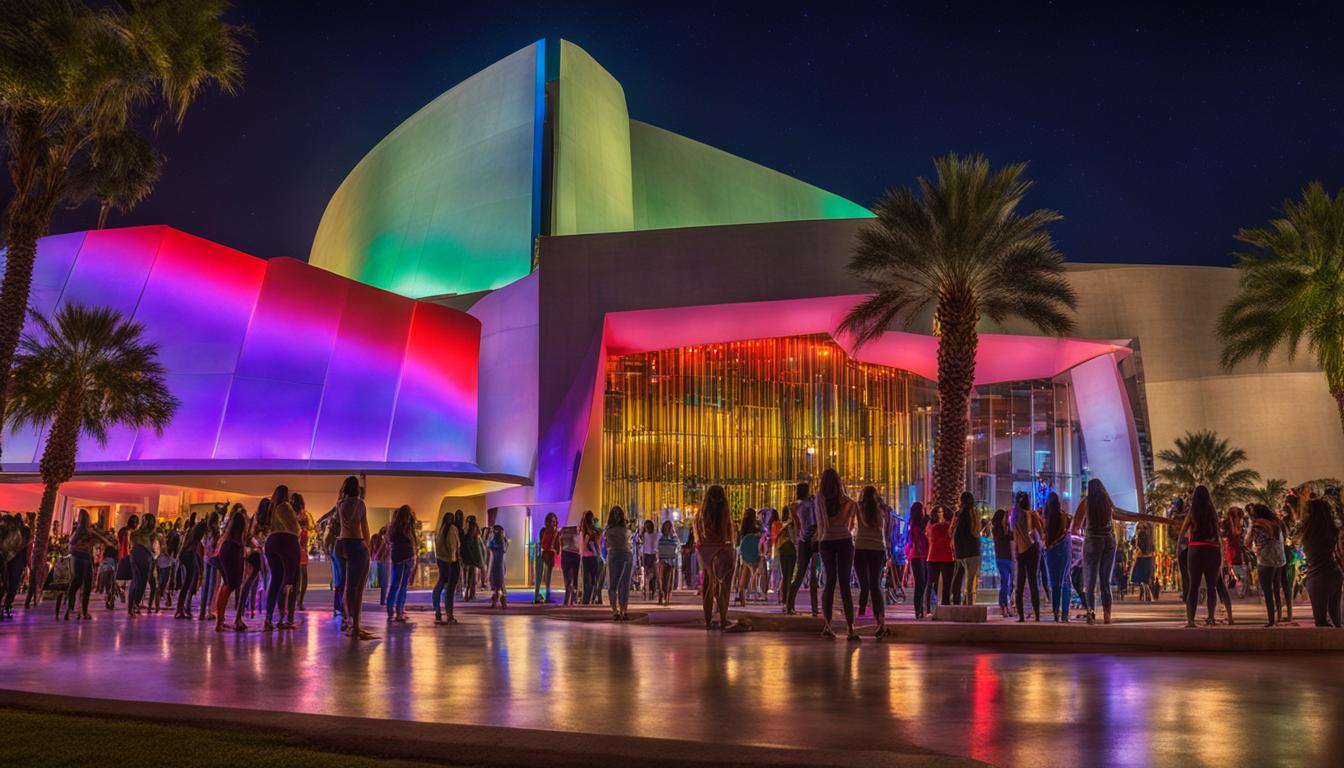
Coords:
pixel 1205 557
pixel 917 552
pixel 835 522
pixel 1324 579
pixel 400 543
pixel 1058 556
pixel 648 558
pixel 804 511
pixel 668 545
pixel 872 532
pixel 1027 527
pixel 620 563
pixel 379 564
pixel 965 551
pixel 1096 517
pixel 447 543
pixel 548 549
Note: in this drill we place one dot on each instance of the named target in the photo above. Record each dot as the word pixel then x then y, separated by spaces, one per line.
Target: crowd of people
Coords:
pixel 248 562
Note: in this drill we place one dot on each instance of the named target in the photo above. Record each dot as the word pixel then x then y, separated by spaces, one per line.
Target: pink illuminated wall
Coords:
pixel 275 363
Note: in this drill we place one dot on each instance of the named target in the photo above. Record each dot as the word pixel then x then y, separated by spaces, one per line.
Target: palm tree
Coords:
pixel 82 372
pixel 118 172
pixel 1270 495
pixel 959 244
pixel 73 71
pixel 1292 289
pixel 1201 458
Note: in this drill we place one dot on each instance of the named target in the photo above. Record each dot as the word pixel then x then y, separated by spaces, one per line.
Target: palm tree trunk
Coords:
pixel 103 208
pixel 957 343
pixel 57 466
pixel 28 220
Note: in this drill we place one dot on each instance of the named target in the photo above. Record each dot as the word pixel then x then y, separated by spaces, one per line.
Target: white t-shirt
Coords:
pixel 648 543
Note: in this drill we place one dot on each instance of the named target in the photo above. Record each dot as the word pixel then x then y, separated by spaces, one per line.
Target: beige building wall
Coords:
pixel 1281 414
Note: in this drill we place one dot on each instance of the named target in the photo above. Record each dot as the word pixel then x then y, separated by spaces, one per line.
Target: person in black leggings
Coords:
pixel 282 555
pixel 142 561
pixel 189 561
pixel 82 541
pixel 229 561
pixel 836 515
pixel 352 546
pixel 1204 557
pixel 872 535
pixel 918 552
pixel 1027 529
pixel 1325 580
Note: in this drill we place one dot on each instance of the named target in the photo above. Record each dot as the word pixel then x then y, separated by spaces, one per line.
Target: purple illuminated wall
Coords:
pixel 275 362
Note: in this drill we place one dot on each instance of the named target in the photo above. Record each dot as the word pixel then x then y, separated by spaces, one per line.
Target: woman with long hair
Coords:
pixel 1324 578
pixel 1204 560
pixel 401 552
pixel 836 514
pixel 447 544
pixel 749 552
pixel 1234 538
pixel 83 540
pixel 352 546
pixel 473 557
pixel 1266 535
pixel 1058 556
pixel 189 560
pixel 1145 551
pixel 872 533
pixel 281 548
pixel 590 549
pixel 620 563
pixel 229 562
pixel 917 552
pixel 570 562
pixel 1096 517
pixel 1002 535
pixel 498 546
pixel 804 511
pixel 965 551
pixel 548 550
pixel 941 560
pixel 254 541
pixel 668 544
pixel 210 577
pixel 713 529
pixel 1027 526
pixel 648 558
pixel 142 540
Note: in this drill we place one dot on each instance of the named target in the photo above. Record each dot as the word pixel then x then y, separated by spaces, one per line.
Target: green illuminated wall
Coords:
pixel 447 202
pixel 679 182
pixel 591 188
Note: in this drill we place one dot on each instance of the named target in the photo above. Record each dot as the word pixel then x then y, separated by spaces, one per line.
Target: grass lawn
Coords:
pixel 36 739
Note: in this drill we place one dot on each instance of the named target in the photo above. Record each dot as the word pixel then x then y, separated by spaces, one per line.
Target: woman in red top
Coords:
pixel 917 552
pixel 940 554
pixel 548 548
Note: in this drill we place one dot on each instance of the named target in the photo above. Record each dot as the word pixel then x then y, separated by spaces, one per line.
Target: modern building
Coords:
pixel 523 301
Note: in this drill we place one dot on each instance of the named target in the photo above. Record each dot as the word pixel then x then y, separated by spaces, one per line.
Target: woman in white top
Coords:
pixel 648 558
pixel 352 547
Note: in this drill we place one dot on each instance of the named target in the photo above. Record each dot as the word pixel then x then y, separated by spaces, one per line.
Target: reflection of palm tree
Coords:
pixel 85 371
pixel 1201 458
pixel 958 245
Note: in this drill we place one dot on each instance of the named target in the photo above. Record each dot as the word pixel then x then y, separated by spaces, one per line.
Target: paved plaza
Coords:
pixel 785 689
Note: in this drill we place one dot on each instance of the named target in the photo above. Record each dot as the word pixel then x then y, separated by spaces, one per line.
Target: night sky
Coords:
pixel 1156 132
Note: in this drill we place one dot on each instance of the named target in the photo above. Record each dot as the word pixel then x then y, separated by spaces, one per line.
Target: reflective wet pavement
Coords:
pixel 774 689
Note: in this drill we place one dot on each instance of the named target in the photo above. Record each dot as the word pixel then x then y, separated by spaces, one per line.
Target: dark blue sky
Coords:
pixel 1157 132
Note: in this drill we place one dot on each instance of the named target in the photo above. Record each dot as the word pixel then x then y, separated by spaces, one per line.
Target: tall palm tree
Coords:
pixel 959 244
pixel 1271 495
pixel 1202 458
pixel 83 371
pixel 118 172
pixel 72 71
pixel 1292 289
